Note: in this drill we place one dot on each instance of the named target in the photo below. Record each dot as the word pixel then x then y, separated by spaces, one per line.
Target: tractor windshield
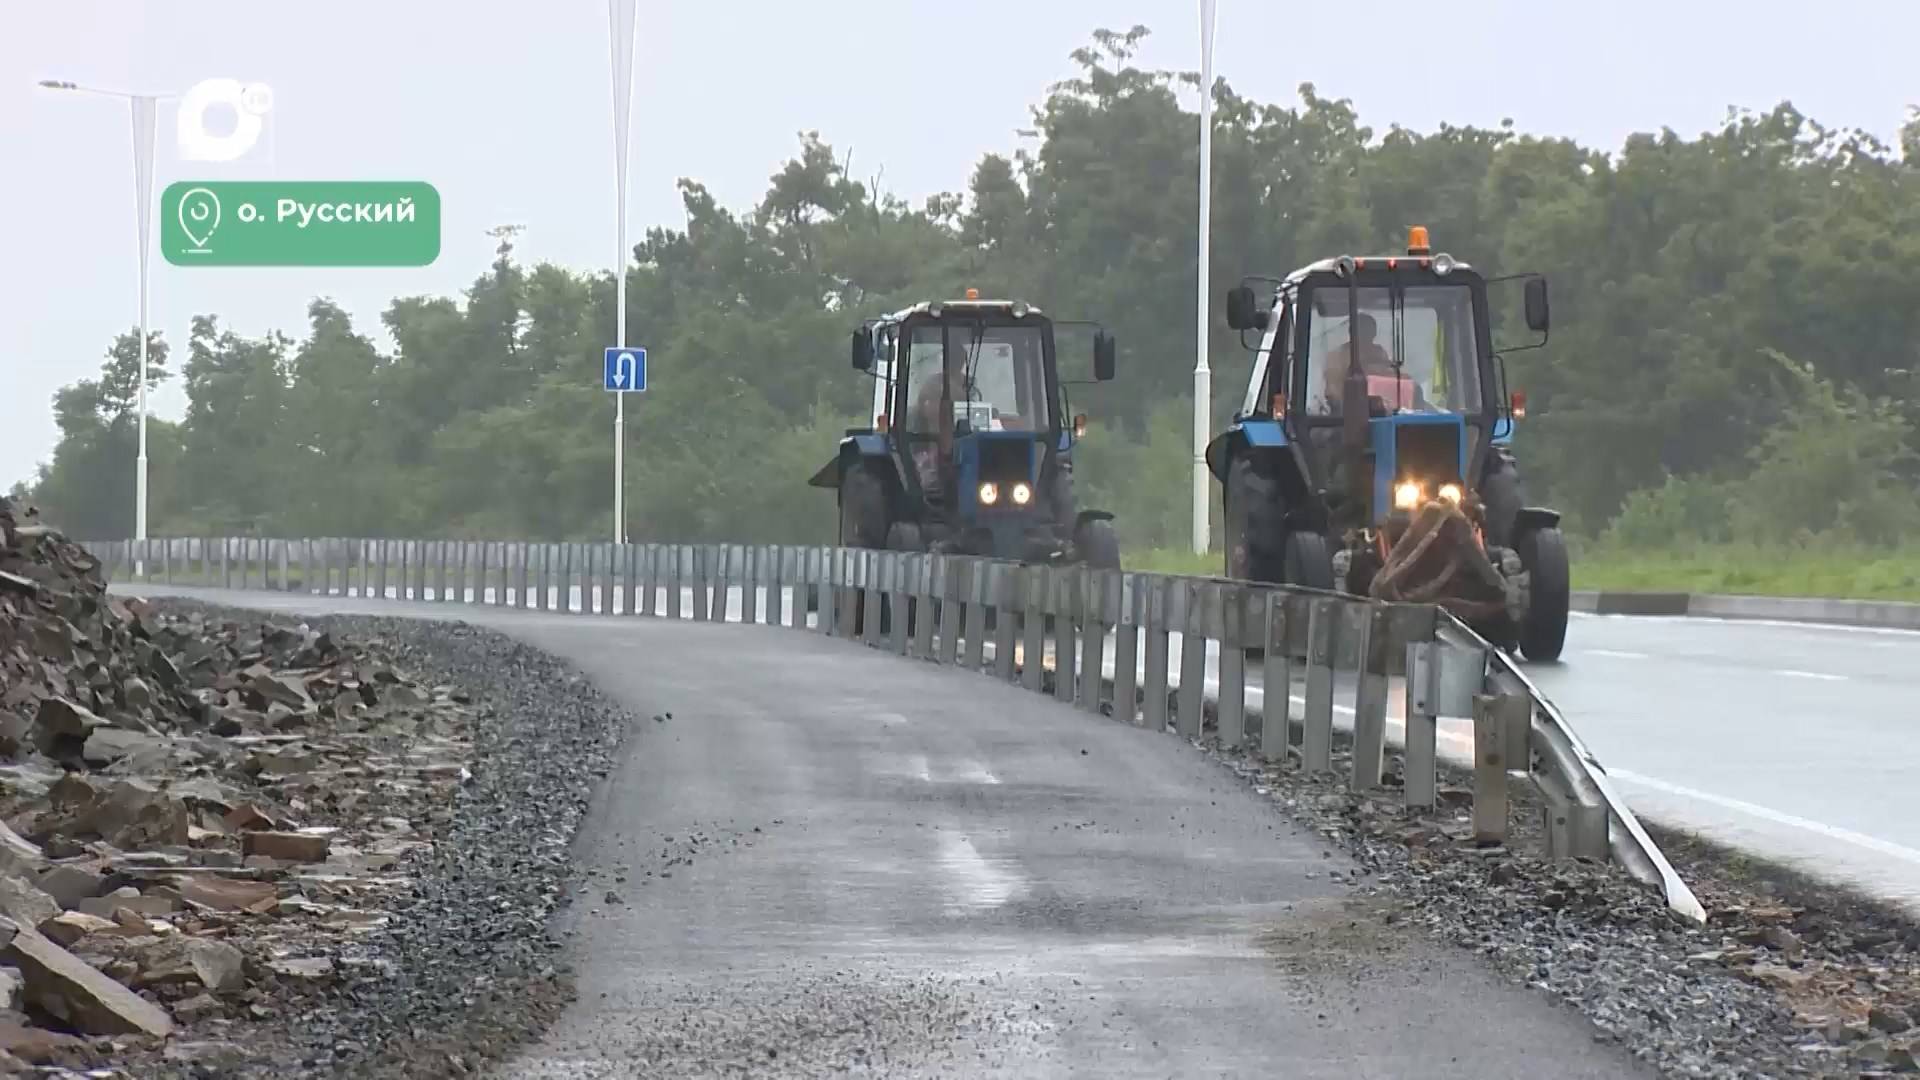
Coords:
pixel 996 376
pixel 1416 344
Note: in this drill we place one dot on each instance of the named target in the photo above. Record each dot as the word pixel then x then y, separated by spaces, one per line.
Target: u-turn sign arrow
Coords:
pixel 625 371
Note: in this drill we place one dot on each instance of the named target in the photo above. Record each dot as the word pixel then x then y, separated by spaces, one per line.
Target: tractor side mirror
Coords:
pixel 1243 311
pixel 1536 297
pixel 862 350
pixel 1103 356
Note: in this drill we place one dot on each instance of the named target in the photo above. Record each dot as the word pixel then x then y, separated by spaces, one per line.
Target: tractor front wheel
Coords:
pixel 863 509
pixel 1254 520
pixel 1097 544
pixel 1308 563
pixel 1543 629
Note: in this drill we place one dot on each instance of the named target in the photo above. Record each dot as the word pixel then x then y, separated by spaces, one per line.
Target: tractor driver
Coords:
pixel 930 418
pixel 1373 358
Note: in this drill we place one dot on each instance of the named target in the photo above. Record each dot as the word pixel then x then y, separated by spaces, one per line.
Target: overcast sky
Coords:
pixel 505 108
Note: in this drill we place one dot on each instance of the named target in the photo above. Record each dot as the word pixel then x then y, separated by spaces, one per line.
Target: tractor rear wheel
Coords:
pixel 1097 544
pixel 1543 629
pixel 1308 563
pixel 863 509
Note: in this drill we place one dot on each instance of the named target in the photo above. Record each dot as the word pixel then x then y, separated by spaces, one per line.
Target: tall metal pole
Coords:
pixel 1202 374
pixel 620 23
pixel 142 114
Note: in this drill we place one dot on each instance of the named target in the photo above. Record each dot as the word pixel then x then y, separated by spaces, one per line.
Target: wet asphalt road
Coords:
pixel 829 859
pixel 1795 741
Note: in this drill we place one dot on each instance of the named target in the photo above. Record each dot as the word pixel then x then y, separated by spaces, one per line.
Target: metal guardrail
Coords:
pixel 1106 640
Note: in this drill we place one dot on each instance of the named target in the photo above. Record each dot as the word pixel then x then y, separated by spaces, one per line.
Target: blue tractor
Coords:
pixel 968 452
pixel 1371 454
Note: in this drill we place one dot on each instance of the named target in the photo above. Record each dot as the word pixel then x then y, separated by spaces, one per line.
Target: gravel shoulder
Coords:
pixel 1790 977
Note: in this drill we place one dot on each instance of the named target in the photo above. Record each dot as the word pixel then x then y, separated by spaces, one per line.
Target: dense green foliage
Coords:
pixel 1733 355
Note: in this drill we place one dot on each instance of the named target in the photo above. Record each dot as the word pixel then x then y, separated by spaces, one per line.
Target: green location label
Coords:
pixel 300 223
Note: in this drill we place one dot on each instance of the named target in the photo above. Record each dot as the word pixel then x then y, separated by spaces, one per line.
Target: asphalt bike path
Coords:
pixel 814 857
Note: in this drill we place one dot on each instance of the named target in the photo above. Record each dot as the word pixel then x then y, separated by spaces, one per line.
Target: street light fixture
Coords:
pixel 142 108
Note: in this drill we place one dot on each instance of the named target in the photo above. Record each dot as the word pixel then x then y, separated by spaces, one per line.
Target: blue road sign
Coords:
pixel 625 371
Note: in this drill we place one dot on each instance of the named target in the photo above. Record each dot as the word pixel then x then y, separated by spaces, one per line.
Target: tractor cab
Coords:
pixel 970 450
pixel 1376 392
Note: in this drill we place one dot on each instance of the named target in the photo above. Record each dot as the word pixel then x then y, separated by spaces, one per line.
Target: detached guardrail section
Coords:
pixel 1155 650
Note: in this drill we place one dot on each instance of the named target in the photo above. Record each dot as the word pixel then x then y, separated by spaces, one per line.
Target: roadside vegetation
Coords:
pixel 1728 400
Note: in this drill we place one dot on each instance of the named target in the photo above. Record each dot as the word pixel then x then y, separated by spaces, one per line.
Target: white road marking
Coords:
pixel 1821 675
pixel 1765 813
pixel 978 882
pixel 1617 654
pixel 973 772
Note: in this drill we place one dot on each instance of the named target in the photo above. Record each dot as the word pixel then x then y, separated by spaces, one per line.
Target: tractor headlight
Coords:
pixel 989 494
pixel 1406 495
pixel 1443 264
pixel 1450 493
pixel 1022 494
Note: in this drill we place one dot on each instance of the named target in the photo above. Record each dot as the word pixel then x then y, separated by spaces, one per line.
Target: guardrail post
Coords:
pixel 1127 597
pixel 872 599
pixel 1065 607
pixel 895 568
pixel 1190 710
pixel 924 618
pixel 1276 709
pixel 847 594
pixel 703 574
pixel 1369 696
pixel 538 560
pixel 753 572
pixel 1424 661
pixel 1232 709
pixel 1494 718
pixel 680 558
pixel 609 559
pixel 973 581
pixel 573 564
pixel 820 592
pixel 1003 582
pixel 1096 620
pixel 1034 606
pixel 648 573
pixel 1316 735
pixel 1160 603
pixel 166 561
pixel 783 572
pixel 724 571
pixel 628 573
pixel 948 576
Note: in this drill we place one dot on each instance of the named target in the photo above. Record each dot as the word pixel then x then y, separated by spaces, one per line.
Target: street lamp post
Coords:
pixel 1202 374
pixel 620 23
pixel 142 108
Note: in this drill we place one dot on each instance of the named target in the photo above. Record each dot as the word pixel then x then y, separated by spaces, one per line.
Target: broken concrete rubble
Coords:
pixel 198 816
pixel 73 991
pixel 293 847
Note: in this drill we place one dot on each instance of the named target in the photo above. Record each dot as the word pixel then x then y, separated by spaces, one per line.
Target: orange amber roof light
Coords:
pixel 1417 241
pixel 973 294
